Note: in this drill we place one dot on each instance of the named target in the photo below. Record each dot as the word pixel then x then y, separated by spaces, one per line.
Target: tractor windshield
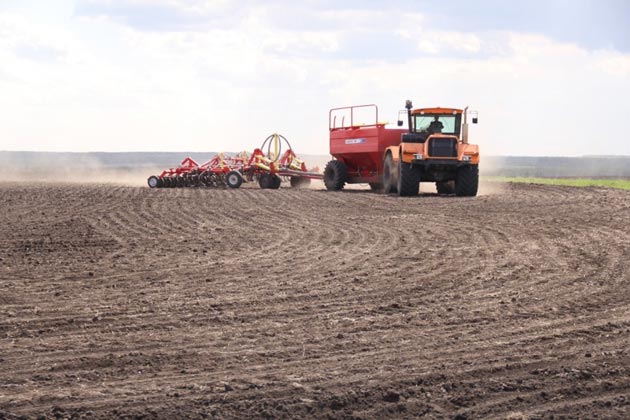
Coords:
pixel 438 123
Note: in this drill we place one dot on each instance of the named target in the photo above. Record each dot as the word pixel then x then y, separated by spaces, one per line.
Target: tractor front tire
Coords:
pixel 445 187
pixel 335 175
pixel 389 172
pixel 408 180
pixel 467 181
pixel 234 179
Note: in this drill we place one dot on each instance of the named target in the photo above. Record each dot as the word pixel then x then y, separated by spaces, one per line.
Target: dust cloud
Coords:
pixel 96 175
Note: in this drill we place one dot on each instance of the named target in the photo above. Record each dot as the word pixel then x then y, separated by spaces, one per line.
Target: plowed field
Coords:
pixel 123 301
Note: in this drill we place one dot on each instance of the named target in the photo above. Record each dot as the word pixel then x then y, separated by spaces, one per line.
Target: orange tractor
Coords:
pixel 435 148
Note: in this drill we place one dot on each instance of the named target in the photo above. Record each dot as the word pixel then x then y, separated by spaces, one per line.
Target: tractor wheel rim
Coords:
pixel 153 182
pixel 233 179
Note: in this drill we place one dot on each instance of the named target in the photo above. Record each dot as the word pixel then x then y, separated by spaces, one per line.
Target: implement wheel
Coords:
pixel 234 179
pixel 335 175
pixel 276 181
pixel 265 181
pixel 154 182
pixel 467 181
pixel 408 180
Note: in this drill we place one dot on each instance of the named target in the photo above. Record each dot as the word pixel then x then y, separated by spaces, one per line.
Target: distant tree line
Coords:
pixel 520 166
pixel 557 167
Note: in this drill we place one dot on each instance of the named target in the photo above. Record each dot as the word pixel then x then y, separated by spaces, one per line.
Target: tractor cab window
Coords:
pixel 442 123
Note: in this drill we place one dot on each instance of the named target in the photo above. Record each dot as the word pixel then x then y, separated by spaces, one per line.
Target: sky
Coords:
pixel 547 78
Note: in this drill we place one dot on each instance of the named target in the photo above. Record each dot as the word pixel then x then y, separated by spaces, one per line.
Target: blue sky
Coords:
pixel 547 77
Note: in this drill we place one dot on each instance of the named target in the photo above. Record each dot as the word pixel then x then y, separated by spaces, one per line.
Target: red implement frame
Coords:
pixel 223 170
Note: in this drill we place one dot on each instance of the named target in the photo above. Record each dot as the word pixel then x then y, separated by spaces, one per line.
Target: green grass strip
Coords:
pixel 623 184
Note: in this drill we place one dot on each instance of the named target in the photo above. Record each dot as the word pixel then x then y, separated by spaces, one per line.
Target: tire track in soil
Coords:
pixel 306 303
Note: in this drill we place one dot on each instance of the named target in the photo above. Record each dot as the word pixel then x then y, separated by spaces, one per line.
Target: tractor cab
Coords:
pixel 437 121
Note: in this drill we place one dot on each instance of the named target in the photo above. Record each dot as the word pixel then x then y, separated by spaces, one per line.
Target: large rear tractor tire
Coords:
pixel 234 179
pixel 389 172
pixel 445 187
pixel 335 175
pixel 408 180
pixel 467 181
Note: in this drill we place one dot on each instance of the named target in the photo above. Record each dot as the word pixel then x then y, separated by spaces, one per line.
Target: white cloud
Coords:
pixel 435 41
pixel 228 87
pixel 613 64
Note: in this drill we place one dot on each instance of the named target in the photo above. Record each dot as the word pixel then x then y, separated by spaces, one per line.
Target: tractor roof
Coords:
pixel 436 110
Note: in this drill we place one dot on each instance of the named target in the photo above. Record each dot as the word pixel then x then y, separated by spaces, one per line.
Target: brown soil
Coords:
pixel 123 301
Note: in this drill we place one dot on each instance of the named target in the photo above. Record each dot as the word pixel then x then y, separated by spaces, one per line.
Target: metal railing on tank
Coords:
pixel 349 111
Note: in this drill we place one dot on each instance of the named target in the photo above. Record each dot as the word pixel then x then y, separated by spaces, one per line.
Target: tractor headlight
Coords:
pixel 418 156
pixel 466 158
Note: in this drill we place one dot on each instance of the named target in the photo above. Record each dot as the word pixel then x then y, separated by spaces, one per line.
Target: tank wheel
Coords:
pixel 335 175
pixel 299 182
pixel 408 180
pixel 376 186
pixel 234 179
pixel 153 181
pixel 389 172
pixel 467 181
pixel 445 187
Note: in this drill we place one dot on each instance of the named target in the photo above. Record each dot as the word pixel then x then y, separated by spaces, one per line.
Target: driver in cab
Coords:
pixel 436 125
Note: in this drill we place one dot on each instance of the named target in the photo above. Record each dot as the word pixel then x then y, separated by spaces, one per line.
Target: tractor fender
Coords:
pixel 407 150
pixel 392 150
pixel 471 150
